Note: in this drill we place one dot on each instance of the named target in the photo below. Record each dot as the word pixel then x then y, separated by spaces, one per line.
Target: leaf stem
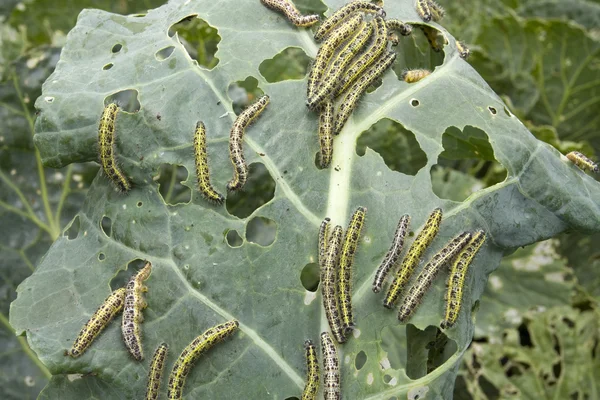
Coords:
pixel 26 349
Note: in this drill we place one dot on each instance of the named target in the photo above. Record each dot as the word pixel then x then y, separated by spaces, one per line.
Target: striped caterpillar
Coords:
pixel 582 161
pixel 393 253
pixel 326 133
pixel 456 279
pixel 132 313
pixel 397 25
pixel 106 147
pixel 367 58
pixel 202 171
pixel 323 237
pixel 188 357
pixel 428 274
pixel 331 368
pixel 236 137
pixel 112 306
pixel 340 15
pixel 463 50
pixel 413 256
pixel 157 366
pixel 312 372
pixel 291 12
pixel 414 75
pixel 349 246
pixel 328 284
pixel 353 94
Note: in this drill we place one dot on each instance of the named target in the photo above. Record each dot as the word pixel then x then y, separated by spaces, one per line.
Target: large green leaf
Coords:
pixel 198 278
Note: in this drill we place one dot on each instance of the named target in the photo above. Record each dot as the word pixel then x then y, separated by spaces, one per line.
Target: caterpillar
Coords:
pixel 291 12
pixel 393 39
pixel 236 137
pixel 323 237
pixel 106 147
pixel 157 366
pixel 190 354
pixel 423 10
pixel 349 246
pixel 393 253
pixel 397 25
pixel 327 50
pixel 312 372
pixel 431 34
pixel 337 17
pixel 112 306
pixel 132 313
pixel 437 11
pixel 414 75
pixel 582 161
pixel 331 368
pixel 367 58
pixel 463 50
pixel 326 133
pixel 353 94
pixel 428 274
pixel 456 279
pixel 339 64
pixel 202 171
pixel 413 256
pixel 328 284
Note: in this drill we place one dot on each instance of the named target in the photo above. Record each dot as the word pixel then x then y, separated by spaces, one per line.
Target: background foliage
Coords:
pixel 539 336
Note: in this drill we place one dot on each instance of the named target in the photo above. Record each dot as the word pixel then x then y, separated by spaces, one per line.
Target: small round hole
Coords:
pixel 101 257
pixel 310 277
pixel 139 204
pixel 108 66
pixel 492 110
pixel 414 103
pixel 233 238
pixel 117 48
pixel 360 360
pixel 163 54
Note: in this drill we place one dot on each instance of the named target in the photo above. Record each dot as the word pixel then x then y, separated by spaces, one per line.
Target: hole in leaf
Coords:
pixel 426 349
pixel 440 350
pixel 414 52
pixel 72 231
pixel 108 66
pixel 169 180
pixel 243 93
pixel 199 39
pixel 292 398
pixel 116 48
pixel 139 204
pixel 291 63
pixel 507 112
pixel 360 360
pixel 492 110
pixel 163 54
pixel 233 238
pixel 524 337
pixel 488 388
pixel 106 225
pixel 126 99
pixel 259 189
pixel 414 103
pixel 261 230
pixel 387 379
pixel 397 145
pixel 310 277
pixel 466 165
pixel 123 276
pixel 101 257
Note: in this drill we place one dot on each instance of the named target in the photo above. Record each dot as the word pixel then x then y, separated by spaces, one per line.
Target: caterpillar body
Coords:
pixel 323 237
pixel 353 94
pixel 132 313
pixel 156 370
pixel 329 271
pixel 414 75
pixel 106 147
pixel 236 138
pixel 186 360
pixel 327 50
pixel 428 274
pixel 291 12
pixel 202 171
pixel 367 58
pixel 348 250
pixel 340 15
pixel 326 121
pixel 437 11
pixel 456 279
pixel 393 39
pixel 463 50
pixel 112 306
pixel 423 10
pixel 397 25
pixel 413 256
pixel 312 372
pixel 331 368
pixel 339 64
pixel 393 254
pixel 582 161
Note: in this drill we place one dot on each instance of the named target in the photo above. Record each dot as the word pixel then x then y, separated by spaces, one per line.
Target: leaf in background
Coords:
pixel 581 252
pixel 583 12
pixel 199 278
